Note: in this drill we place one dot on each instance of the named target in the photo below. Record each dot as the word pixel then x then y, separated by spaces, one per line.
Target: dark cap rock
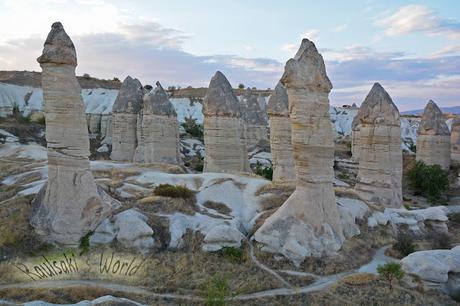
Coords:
pixel 59 48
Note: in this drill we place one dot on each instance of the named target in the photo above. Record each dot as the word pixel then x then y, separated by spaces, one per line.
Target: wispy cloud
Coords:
pixel 418 18
pixel 340 28
pixel 311 34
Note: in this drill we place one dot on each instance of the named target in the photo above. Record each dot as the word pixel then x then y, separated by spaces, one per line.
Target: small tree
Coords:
pixel 404 245
pixel 241 86
pixel 428 180
pixel 390 271
pixel 86 76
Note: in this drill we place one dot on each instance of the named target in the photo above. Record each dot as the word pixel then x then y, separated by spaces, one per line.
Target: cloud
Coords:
pixel 340 28
pixel 446 51
pixel 149 52
pixel 418 18
pixel 291 49
pixel 410 81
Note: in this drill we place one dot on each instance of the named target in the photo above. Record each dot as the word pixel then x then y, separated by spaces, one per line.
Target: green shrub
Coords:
pixel 265 171
pixel 84 243
pixel 390 271
pixel 41 120
pixel 429 181
pixel 173 191
pixel 343 176
pixel 193 128
pixel 413 147
pixel 232 254
pixel 215 291
pixel 404 245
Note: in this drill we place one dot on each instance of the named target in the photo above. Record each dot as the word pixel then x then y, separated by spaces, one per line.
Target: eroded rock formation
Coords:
pixel 124 119
pixel 380 156
pixel 355 139
pixel 433 138
pixel 455 141
pixel 280 135
pixel 308 223
pixel 157 130
pixel 223 129
pixel 70 204
pixel 255 120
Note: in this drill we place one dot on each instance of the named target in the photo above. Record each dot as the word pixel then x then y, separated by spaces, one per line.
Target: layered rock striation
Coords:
pixel 224 135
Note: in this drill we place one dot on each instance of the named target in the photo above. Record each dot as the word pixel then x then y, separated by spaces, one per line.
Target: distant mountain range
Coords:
pixel 452 110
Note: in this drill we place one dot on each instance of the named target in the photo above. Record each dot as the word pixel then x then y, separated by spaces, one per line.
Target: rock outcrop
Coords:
pixel 129 228
pixel 223 129
pixel 157 130
pixel 308 223
pixel 280 135
pixel 433 138
pixel 433 265
pixel 379 178
pixel 70 204
pixel 124 119
pixel 255 119
pixel 455 141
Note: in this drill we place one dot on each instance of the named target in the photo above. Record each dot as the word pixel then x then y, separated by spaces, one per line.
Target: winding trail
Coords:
pixel 320 283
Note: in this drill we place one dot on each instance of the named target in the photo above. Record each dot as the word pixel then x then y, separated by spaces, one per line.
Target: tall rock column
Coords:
pixel 124 119
pixel 308 223
pixel 380 156
pixel 280 135
pixel 157 130
pixel 254 119
pixel 455 141
pixel 433 138
pixel 355 139
pixel 69 205
pixel 223 129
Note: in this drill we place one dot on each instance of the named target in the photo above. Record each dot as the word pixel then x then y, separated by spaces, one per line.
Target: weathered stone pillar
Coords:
pixel 157 130
pixel 433 138
pixel 124 119
pixel 254 119
pixel 380 156
pixel 69 205
pixel 308 223
pixel 223 129
pixel 280 135
pixel 355 139
pixel 455 141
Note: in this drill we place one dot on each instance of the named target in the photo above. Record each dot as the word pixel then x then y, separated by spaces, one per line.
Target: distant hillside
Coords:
pixel 33 79
pixel 199 93
pixel 451 110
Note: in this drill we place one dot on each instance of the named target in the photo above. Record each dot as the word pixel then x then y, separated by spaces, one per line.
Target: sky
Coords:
pixel 412 48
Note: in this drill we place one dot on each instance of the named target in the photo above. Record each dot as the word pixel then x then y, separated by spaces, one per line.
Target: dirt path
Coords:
pixel 321 282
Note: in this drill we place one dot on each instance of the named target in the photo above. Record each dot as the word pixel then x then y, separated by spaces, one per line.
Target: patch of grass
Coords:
pixel 431 181
pixel 173 191
pixel 265 171
pixel 220 207
pixel 390 271
pixel 215 291
pixel 232 254
pixel 359 279
pixel 343 176
pixel 84 243
pixel 404 245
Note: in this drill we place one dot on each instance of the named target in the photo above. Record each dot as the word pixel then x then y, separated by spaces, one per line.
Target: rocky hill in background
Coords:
pixel 33 79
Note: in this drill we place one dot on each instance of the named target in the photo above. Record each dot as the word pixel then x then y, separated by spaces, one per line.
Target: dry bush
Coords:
pixel 219 207
pixel 173 191
pixel 359 279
